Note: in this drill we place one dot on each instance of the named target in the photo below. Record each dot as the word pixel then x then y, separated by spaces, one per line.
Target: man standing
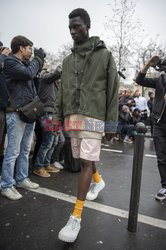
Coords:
pixel 19 74
pixel 141 104
pixel 88 96
pixel 159 116
pixel 47 87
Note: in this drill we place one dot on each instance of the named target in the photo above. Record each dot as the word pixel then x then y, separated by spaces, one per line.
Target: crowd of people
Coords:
pixel 133 108
pixel 86 97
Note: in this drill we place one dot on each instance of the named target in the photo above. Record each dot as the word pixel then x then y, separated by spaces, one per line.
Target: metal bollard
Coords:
pixel 136 176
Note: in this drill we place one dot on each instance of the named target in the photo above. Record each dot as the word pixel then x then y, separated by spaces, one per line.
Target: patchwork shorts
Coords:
pixel 87 149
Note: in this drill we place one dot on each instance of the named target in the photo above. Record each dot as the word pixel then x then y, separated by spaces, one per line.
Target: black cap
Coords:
pixel 1 44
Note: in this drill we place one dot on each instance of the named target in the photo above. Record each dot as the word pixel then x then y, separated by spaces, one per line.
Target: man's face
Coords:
pixel 152 96
pixel 26 52
pixel 137 94
pixel 78 29
pixel 128 93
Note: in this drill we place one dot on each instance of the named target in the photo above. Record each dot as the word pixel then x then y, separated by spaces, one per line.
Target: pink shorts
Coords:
pixel 87 149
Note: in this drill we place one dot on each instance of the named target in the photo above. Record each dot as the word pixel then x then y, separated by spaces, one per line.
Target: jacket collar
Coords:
pixel 92 43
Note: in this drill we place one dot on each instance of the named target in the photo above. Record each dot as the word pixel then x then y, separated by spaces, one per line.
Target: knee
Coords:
pixel 85 164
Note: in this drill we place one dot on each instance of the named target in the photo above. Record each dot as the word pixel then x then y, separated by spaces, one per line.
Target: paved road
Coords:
pixel 34 221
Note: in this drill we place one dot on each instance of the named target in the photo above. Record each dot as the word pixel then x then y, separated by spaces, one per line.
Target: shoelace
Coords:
pixel 162 191
pixel 14 190
pixel 92 188
pixel 73 222
pixel 29 181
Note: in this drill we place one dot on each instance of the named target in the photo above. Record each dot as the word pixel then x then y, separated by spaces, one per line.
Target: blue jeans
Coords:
pixel 45 151
pixel 60 143
pixel 16 158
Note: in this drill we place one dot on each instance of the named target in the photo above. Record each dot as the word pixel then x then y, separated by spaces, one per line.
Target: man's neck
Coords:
pixel 82 42
pixel 19 55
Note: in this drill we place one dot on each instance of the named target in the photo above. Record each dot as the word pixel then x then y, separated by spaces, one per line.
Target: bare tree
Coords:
pixel 63 52
pixel 56 59
pixel 123 30
pixel 144 52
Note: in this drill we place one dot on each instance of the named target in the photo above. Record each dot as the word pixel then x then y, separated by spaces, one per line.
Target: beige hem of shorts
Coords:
pixel 88 157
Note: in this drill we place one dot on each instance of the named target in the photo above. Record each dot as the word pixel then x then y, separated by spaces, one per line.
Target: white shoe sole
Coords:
pixel 160 198
pixel 10 198
pixel 65 239
pixel 27 187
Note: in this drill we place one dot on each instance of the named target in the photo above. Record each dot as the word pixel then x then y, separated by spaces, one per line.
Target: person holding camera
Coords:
pixel 159 116
pixel 4 52
pixel 48 89
pixel 19 72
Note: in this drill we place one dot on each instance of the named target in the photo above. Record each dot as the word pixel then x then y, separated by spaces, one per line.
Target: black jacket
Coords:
pixel 160 85
pixel 19 79
pixel 3 91
pixel 125 118
pixel 48 89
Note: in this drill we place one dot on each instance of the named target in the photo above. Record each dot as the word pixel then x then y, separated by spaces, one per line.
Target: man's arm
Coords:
pixel 112 97
pixel 20 71
pixel 50 77
pixel 142 80
pixel 5 52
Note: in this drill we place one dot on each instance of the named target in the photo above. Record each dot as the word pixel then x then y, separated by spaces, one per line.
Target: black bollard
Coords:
pixel 136 176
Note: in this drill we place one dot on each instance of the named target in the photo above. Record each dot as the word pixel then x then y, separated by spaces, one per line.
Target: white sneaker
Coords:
pixel 161 195
pixel 58 165
pixel 11 193
pixel 95 188
pixel 69 232
pixel 26 183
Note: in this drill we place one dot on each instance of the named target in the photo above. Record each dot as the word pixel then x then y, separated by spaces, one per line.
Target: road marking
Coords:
pixel 153 156
pixel 112 150
pixel 102 208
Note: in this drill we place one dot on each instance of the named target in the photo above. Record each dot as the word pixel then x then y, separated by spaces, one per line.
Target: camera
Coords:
pixel 36 49
pixel 2 48
pixel 161 65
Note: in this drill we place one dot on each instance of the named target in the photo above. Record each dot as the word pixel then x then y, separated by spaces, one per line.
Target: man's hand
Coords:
pixel 5 51
pixel 151 63
pixel 109 136
pixel 59 69
pixel 40 53
pixel 154 61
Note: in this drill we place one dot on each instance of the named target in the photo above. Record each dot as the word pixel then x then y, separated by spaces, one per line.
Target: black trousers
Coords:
pixel 159 133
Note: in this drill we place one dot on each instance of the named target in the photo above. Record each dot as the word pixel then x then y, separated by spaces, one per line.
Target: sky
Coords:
pixel 45 22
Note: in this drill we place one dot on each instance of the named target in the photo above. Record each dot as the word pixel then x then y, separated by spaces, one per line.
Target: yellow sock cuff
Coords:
pixel 78 208
pixel 96 177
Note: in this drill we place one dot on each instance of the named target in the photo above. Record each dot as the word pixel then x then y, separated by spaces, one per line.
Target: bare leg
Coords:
pixel 94 167
pixel 84 178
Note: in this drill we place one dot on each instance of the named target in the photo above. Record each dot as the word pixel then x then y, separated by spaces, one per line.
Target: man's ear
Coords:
pixel 21 48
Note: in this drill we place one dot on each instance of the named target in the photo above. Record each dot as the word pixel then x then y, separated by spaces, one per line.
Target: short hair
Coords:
pixel 83 14
pixel 18 41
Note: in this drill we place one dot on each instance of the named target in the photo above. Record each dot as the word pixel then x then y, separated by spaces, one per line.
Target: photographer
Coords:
pixel 48 89
pixel 19 72
pixel 159 116
pixel 4 52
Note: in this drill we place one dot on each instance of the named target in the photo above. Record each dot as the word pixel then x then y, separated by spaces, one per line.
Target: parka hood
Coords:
pixel 92 43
